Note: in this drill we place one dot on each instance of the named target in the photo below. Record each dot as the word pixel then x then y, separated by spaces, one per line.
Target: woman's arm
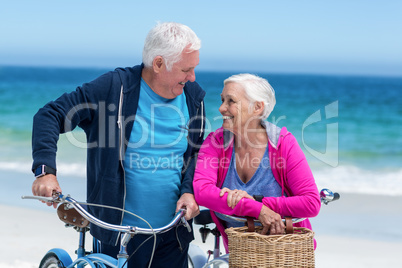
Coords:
pixel 304 199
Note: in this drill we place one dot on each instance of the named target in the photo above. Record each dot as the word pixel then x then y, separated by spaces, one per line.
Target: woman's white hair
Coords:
pixel 169 40
pixel 257 89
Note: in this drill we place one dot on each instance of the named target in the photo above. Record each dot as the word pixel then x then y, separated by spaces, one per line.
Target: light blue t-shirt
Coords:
pixel 262 183
pixel 154 158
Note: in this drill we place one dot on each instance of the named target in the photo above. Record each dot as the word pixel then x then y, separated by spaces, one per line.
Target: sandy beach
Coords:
pixel 357 231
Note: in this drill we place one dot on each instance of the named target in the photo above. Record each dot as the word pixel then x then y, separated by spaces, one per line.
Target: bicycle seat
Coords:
pixel 71 216
pixel 203 218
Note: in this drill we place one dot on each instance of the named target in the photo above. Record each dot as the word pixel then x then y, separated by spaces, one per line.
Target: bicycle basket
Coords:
pixel 251 249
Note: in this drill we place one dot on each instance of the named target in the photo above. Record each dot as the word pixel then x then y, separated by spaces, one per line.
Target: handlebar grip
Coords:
pixel 336 196
pixel 258 198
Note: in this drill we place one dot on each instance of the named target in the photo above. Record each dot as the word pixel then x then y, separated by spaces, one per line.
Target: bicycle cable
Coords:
pixel 133 214
pixel 132 254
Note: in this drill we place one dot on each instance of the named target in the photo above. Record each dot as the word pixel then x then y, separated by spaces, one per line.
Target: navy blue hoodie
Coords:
pixel 105 109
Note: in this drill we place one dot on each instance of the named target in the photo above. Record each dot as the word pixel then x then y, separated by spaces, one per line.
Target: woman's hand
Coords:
pixel 234 196
pixel 271 221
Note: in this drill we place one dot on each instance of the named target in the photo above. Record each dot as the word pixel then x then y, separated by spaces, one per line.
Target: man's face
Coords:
pixel 172 82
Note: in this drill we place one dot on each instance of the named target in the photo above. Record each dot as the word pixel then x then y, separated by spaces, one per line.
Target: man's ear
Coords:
pixel 158 64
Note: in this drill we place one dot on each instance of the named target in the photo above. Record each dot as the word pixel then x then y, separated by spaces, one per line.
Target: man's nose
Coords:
pixel 191 76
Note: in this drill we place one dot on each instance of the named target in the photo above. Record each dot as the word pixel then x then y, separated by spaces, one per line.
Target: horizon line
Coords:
pixel 216 70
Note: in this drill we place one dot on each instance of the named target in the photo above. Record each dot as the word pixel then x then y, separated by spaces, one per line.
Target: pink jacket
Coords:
pixel 289 167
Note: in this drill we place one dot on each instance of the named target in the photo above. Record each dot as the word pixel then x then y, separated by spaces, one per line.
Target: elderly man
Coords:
pixel 143 135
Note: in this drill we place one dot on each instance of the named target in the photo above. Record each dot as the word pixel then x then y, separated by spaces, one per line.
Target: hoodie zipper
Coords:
pixel 202 118
pixel 121 135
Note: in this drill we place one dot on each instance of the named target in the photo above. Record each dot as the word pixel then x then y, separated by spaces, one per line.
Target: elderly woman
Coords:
pixel 249 157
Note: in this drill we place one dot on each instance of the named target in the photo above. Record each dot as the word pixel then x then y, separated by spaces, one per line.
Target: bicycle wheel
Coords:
pixel 51 261
pixel 190 262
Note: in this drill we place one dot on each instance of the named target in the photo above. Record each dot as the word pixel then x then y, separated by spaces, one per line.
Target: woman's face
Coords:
pixel 235 108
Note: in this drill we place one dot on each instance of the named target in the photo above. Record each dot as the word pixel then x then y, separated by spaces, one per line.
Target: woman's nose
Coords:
pixel 222 108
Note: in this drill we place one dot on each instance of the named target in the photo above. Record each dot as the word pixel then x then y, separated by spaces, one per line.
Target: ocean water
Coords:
pixel 349 127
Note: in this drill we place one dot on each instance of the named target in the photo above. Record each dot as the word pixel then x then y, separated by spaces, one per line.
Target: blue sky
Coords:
pixel 338 37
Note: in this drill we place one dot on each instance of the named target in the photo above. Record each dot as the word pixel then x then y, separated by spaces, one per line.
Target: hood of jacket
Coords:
pixel 275 134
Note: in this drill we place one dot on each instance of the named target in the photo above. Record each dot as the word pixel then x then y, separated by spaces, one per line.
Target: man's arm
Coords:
pixel 61 116
pixel 187 181
pixel 48 123
pixel 187 199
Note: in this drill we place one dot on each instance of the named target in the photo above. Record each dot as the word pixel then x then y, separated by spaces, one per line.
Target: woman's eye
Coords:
pixel 229 101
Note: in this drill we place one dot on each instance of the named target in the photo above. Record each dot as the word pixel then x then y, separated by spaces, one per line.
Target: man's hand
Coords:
pixel 187 202
pixel 46 186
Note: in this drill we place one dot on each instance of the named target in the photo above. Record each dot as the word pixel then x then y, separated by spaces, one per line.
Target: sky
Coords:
pixel 328 37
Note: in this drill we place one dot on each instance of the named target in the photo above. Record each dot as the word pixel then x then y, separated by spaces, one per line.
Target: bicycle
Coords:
pixel 74 215
pixel 200 259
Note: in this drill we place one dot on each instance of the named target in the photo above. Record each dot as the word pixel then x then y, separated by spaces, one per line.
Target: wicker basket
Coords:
pixel 251 249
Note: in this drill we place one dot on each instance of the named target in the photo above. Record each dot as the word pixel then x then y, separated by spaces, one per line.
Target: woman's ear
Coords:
pixel 259 107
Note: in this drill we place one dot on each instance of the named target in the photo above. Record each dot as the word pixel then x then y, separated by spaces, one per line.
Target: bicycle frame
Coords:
pixel 89 259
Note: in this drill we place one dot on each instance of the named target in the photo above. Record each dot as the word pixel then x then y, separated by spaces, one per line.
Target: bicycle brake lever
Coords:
pixel 183 220
pixel 40 198
pixel 57 197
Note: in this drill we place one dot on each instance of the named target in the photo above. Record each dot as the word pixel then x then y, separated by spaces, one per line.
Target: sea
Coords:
pixel 349 127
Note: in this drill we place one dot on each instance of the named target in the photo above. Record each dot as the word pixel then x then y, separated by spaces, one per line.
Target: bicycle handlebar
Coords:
pixel 326 196
pixel 60 198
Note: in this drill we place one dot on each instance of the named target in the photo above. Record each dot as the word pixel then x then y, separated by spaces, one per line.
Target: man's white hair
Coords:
pixel 169 40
